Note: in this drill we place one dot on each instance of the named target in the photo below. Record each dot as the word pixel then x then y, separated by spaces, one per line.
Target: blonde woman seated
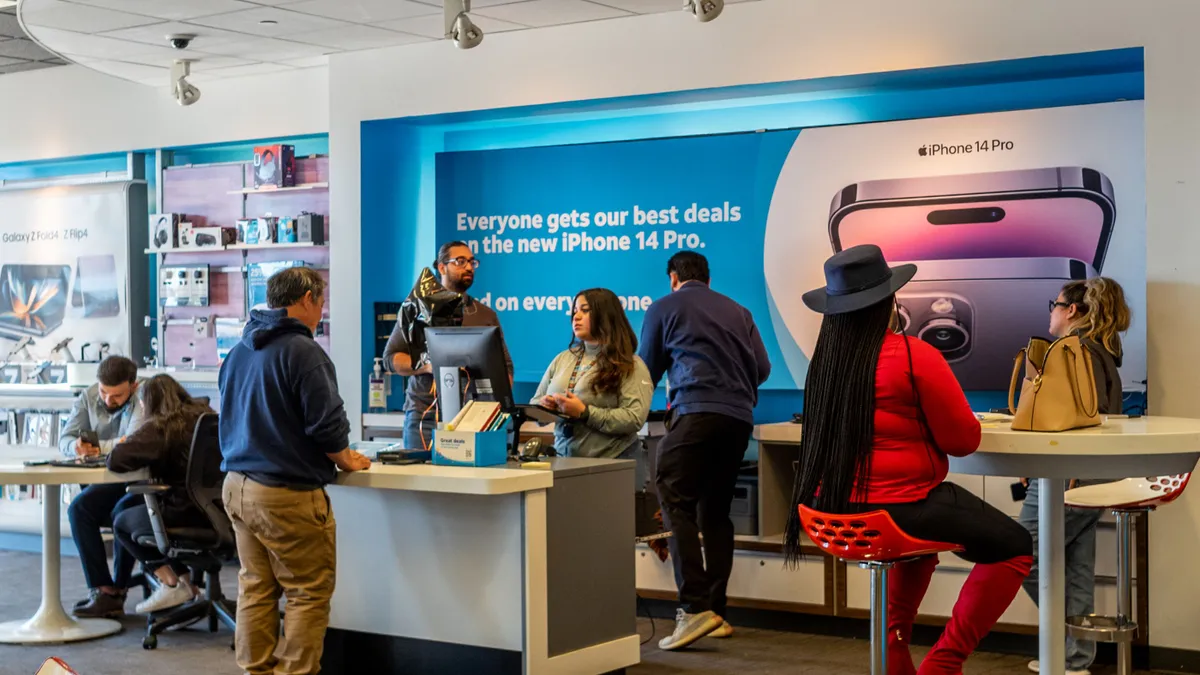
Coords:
pixel 599 382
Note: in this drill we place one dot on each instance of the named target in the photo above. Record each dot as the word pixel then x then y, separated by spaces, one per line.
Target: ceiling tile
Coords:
pixel 100 47
pixel 269 49
pixel 175 10
pixel 365 11
pixel 156 34
pixel 254 69
pixel 132 71
pixel 67 16
pixel 23 48
pixel 250 21
pixel 435 26
pixel 9 26
pixel 354 37
pixel 206 63
pixel 23 66
pixel 549 12
pixel 307 62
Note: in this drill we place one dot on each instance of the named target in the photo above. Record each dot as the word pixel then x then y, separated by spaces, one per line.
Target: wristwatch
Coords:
pixel 587 411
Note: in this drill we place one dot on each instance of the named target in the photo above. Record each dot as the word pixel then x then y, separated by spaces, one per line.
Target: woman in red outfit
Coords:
pixel 882 411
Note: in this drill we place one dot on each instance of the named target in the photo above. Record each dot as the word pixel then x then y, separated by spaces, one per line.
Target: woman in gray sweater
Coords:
pixel 598 382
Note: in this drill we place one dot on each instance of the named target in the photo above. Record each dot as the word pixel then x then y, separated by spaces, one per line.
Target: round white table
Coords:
pixel 1120 448
pixel 51 624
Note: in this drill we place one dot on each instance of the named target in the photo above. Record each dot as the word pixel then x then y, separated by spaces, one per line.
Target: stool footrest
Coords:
pixel 1101 628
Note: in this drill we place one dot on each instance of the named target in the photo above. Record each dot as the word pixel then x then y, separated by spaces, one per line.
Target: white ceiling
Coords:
pixel 127 38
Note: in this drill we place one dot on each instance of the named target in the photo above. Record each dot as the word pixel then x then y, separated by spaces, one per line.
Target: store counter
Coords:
pixel 488 570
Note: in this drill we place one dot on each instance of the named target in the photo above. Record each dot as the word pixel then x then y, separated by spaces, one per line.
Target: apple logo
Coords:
pixel 923 150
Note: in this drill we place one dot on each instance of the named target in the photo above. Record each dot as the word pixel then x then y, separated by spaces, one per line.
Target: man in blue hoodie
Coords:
pixel 715 360
pixel 284 434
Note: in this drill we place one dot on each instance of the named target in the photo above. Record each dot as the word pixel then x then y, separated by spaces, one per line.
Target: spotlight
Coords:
pixel 704 10
pixel 459 26
pixel 185 93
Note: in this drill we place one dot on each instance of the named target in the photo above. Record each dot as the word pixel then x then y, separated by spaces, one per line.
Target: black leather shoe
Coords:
pixel 101 605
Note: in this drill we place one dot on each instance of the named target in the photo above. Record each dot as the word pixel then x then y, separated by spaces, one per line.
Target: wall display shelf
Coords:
pixel 295 188
pixel 216 195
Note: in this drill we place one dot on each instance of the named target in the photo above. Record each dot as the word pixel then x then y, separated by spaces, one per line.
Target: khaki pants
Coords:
pixel 286 544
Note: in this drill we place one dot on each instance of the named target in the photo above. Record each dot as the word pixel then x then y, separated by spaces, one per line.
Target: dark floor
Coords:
pixel 196 652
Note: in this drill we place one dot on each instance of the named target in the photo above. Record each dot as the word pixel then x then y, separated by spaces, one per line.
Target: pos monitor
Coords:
pixel 470 361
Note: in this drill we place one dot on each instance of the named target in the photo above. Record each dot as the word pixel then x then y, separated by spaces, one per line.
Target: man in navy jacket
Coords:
pixel 715 360
pixel 284 434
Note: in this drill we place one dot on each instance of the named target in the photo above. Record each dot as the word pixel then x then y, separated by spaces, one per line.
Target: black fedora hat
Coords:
pixel 856 278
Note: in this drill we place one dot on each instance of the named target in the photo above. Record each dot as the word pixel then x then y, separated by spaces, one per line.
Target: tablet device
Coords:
pixel 540 414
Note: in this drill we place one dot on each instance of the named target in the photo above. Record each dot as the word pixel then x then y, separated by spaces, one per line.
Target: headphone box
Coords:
pixel 164 231
pixel 185 234
pixel 285 232
pixel 262 231
pixel 310 228
pixel 274 166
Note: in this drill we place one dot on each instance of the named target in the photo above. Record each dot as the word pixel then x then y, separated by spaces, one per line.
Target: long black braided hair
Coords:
pixel 839 414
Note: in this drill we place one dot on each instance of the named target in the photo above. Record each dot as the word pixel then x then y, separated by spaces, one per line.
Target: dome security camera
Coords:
pixel 180 40
pixel 704 10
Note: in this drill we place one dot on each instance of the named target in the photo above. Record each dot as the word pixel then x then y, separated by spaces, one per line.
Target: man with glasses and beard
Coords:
pixel 456 267
pixel 103 413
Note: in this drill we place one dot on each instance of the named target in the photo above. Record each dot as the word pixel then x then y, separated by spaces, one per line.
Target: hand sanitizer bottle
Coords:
pixel 377 389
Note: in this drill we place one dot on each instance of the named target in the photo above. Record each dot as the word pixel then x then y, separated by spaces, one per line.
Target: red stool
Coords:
pixel 876 543
pixel 1125 498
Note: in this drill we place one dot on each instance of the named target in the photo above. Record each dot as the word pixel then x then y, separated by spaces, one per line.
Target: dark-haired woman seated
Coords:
pixel 162 445
pixel 881 413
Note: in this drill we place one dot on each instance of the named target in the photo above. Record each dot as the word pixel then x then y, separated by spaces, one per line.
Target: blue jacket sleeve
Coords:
pixel 760 351
pixel 325 419
pixel 652 351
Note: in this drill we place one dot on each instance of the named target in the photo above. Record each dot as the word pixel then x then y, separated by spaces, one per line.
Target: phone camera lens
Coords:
pixel 946 335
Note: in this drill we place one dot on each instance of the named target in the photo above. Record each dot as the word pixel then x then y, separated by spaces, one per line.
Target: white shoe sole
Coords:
pixel 703 630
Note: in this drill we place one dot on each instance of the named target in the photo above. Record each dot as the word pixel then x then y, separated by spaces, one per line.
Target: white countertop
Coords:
pixel 448 479
pixel 1140 436
pixel 395 420
pixel 14 472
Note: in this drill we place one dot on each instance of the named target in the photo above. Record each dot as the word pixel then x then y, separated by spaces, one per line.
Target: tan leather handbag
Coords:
pixel 1059 389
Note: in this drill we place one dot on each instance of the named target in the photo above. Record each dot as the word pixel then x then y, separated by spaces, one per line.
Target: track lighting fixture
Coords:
pixel 459 26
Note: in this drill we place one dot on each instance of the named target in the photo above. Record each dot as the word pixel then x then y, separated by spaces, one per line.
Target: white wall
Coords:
pixel 72 111
pixel 779 40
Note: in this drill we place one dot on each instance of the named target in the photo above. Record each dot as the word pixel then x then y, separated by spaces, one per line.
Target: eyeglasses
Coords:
pixel 460 261
pixel 1055 303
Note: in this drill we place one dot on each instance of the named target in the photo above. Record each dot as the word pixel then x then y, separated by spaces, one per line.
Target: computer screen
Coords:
pixel 468 362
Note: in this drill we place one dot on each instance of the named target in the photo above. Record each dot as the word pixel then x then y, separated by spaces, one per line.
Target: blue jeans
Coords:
pixel 418 434
pixel 1080 539
pixel 98 506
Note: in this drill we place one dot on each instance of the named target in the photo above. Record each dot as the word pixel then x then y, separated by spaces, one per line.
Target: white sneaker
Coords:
pixel 1036 667
pixel 166 597
pixel 689 628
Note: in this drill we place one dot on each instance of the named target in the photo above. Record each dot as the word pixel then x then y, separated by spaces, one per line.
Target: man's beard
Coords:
pixel 461 284
pixel 112 410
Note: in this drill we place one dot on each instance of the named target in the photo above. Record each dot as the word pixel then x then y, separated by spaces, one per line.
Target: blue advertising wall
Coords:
pixel 413 168
pixel 601 226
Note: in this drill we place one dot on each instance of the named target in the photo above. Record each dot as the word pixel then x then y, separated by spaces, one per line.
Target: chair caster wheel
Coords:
pixel 150 642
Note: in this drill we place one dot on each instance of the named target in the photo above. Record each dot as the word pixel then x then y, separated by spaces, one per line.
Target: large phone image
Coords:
pixel 33 299
pixel 990 248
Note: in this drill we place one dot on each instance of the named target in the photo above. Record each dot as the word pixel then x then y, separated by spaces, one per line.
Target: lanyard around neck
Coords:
pixel 577 372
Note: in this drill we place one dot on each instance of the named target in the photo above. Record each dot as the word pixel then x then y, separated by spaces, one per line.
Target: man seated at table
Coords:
pixel 108 410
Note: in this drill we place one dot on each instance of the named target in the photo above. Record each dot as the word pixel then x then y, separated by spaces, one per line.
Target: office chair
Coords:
pixel 202 549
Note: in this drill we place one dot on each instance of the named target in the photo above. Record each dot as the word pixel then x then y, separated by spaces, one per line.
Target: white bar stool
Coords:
pixel 1125 498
